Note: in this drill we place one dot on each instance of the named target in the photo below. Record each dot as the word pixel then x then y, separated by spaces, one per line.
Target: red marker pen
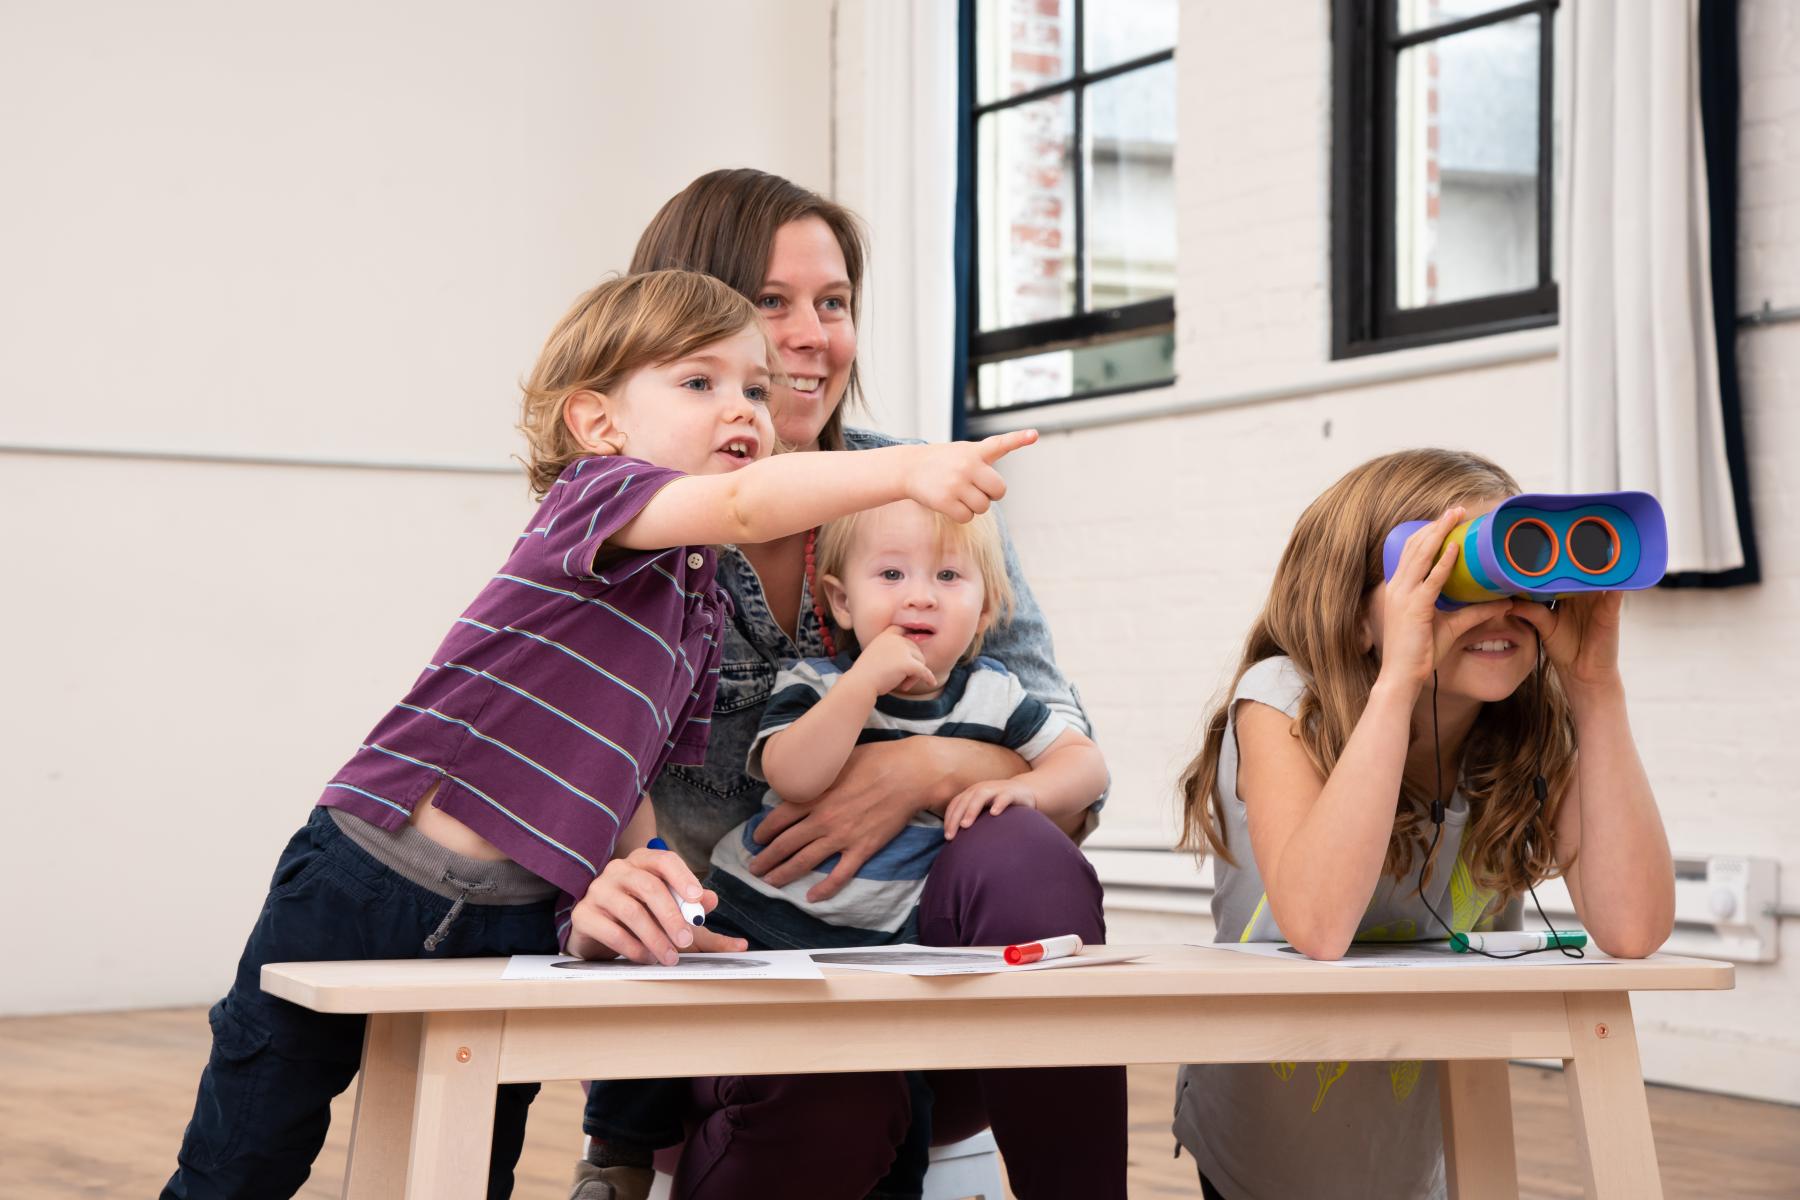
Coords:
pixel 1056 947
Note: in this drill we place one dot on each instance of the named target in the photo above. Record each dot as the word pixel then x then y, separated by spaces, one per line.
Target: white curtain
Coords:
pixel 895 164
pixel 1641 373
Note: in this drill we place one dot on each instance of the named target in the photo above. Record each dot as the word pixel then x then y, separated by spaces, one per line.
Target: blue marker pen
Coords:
pixel 691 912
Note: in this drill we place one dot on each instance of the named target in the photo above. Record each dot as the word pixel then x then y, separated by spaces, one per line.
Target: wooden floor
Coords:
pixel 95 1106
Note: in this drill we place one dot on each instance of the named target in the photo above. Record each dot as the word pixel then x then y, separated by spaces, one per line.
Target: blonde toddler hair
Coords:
pixel 979 539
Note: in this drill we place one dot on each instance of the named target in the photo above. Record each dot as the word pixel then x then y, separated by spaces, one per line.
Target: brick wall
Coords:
pixel 1032 192
pixel 1040 34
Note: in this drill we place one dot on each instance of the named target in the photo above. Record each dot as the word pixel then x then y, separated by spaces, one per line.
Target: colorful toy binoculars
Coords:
pixel 1544 546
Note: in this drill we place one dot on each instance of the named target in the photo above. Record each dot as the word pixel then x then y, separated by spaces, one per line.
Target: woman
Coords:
pixel 1015 877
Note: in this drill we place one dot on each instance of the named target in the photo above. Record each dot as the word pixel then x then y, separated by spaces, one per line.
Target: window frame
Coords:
pixel 1366 46
pixel 1085 327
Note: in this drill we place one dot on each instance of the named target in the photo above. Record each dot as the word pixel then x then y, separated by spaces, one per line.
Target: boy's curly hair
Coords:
pixel 616 328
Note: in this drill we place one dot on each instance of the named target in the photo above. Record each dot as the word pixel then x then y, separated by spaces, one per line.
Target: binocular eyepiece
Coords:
pixel 1546 545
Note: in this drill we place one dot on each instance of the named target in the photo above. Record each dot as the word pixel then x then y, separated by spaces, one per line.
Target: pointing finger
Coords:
pixel 995 448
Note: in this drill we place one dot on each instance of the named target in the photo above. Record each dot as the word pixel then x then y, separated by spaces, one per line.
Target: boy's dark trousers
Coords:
pixel 265 1096
pixel 648 1113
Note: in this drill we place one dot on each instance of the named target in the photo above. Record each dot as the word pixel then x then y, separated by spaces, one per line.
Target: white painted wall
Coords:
pixel 1151 541
pixel 333 233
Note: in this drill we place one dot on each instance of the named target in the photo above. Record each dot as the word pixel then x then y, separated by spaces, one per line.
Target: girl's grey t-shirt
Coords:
pixel 1340 1129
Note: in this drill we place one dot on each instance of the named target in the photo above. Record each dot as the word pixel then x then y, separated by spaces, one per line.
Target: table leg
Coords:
pixel 1606 1093
pixel 1476 1098
pixel 382 1127
pixel 453 1107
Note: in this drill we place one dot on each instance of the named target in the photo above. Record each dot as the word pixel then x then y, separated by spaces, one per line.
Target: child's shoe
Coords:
pixel 613 1172
pixel 611 1183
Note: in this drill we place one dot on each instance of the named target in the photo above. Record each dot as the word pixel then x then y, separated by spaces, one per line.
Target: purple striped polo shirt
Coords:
pixel 562 691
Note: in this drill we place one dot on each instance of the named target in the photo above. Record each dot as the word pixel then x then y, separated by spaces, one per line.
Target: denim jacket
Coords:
pixel 695 806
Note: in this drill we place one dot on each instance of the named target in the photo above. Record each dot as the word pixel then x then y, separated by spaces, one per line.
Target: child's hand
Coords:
pixel 1415 634
pixel 628 912
pixel 892 661
pixel 995 796
pixel 958 479
pixel 1580 636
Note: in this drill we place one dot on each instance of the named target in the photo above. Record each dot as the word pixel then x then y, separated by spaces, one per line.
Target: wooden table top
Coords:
pixel 474 984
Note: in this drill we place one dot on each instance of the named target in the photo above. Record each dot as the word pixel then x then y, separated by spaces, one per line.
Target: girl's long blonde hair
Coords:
pixel 1314 616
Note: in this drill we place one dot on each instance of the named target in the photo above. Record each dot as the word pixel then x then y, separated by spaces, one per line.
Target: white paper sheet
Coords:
pixel 1406 954
pixel 756 964
pixel 950 960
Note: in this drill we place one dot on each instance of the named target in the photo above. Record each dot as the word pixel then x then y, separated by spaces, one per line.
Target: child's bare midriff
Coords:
pixel 451 833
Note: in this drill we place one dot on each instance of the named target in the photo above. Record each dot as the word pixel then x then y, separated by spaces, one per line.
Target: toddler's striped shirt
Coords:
pixel 981 700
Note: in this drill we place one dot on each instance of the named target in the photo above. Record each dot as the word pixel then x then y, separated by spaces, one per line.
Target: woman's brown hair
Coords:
pixel 723 224
pixel 1314 616
pixel 611 331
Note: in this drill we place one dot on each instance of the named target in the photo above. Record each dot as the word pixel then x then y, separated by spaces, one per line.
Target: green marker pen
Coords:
pixel 1514 942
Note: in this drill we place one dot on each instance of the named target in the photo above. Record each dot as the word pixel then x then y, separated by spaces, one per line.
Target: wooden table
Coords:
pixel 443 1034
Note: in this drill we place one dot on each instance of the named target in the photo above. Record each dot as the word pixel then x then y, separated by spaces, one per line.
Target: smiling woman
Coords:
pixel 799 259
pixel 806 305
pixel 1016 876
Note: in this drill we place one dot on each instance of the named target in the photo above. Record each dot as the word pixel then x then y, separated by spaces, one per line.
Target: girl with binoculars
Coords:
pixel 1389 769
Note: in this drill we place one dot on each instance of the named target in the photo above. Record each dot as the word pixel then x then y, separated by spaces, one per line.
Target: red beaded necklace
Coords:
pixel 812 587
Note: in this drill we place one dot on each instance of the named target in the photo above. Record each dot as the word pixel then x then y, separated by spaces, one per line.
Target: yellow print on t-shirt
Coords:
pixel 1404 930
pixel 1471 908
pixel 1468 903
pixel 1328 1073
pixel 1404 1076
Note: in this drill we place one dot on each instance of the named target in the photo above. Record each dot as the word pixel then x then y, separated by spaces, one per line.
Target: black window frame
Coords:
pixel 1085 327
pixel 1366 45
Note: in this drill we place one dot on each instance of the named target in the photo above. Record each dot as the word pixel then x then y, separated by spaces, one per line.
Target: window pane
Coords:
pixel 1131 187
pixel 1117 30
pixel 1466 165
pixel 1021 45
pixel 1412 15
pixel 1128 362
pixel 1027 201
